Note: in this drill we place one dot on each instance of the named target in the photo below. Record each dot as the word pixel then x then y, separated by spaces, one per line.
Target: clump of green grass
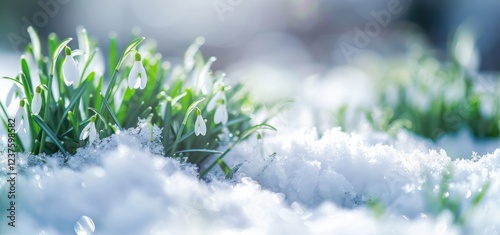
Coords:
pixel 67 101
pixel 430 97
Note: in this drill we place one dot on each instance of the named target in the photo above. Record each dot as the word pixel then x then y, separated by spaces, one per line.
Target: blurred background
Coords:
pixel 284 33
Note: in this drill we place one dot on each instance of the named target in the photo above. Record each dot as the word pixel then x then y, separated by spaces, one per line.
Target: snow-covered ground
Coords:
pixel 299 180
pixel 125 188
pixel 292 182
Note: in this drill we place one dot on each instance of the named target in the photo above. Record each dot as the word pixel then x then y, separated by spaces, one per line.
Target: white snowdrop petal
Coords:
pixel 75 71
pixel 133 75
pixel 197 127
pixel 221 114
pixel 36 103
pixel 200 126
pixel 144 77
pixel 92 132
pixel 66 72
pixel 85 132
pixel 203 127
pixel 213 102
pixel 70 71
pixel 18 119
pixel 197 130
pixel 224 114
pixel 14 92
pixel 217 116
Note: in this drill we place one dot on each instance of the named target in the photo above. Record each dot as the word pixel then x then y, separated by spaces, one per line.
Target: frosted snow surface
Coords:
pixel 125 187
pixel 353 171
pixel 311 186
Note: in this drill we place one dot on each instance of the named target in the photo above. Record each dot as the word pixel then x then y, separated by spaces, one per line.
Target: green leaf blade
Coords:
pixel 49 133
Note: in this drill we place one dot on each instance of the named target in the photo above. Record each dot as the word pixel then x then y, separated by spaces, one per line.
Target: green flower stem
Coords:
pixel 49 97
pixel 108 95
pixel 48 131
pixel 179 133
pixel 75 99
pixel 109 91
pixel 46 111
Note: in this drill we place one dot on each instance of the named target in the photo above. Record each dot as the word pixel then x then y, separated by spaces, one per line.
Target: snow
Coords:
pixel 300 180
pixel 312 185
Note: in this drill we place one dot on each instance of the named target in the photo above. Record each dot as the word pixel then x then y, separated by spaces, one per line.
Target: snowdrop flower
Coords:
pixel 221 115
pixel 220 95
pixel 137 77
pixel 89 131
pixel 20 116
pixel 14 92
pixel 71 72
pixel 36 102
pixel 218 102
pixel 199 126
